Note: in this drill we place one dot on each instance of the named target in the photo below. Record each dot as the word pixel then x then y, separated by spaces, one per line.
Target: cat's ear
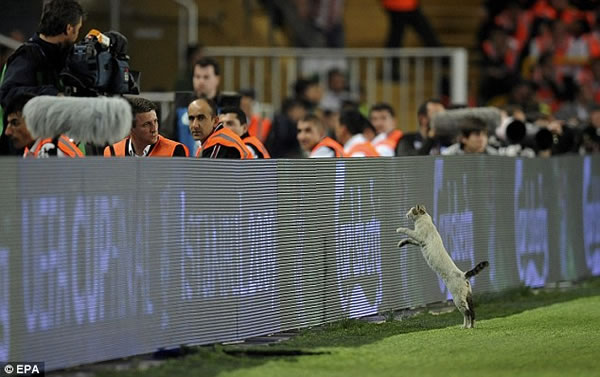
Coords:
pixel 415 210
pixel 421 209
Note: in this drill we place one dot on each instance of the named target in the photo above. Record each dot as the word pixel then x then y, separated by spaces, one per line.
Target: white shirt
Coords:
pixel 354 140
pixel 321 152
pixel 383 149
pixel 131 152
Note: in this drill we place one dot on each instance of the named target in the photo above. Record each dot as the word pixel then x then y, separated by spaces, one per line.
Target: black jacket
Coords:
pixel 33 68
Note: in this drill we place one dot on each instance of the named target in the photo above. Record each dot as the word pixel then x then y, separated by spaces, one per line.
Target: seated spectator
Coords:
pixel 282 140
pixel 144 139
pixel 499 69
pixel 350 134
pixel 235 119
pixel 309 92
pixel 516 21
pixel 576 110
pixel 543 41
pixel 549 82
pixel 337 91
pixel 424 141
pixel 313 139
pixel 522 94
pixel 591 75
pixel 384 120
pixel 473 139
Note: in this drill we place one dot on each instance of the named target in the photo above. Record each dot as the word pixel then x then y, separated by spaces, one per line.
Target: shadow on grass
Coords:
pixel 210 361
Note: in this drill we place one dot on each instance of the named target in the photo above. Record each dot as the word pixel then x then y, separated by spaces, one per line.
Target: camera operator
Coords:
pixel 35 66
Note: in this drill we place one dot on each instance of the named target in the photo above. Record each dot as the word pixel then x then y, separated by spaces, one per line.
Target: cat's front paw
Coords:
pixel 403 242
pixel 401 230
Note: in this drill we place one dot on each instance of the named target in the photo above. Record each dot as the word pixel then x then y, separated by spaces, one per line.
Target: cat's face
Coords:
pixel 416 211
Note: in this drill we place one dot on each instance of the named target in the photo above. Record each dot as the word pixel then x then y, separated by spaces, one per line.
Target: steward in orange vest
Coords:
pixel 349 132
pixel 224 143
pixel 217 140
pixel 60 146
pixel 330 144
pixel 234 119
pixel 144 140
pixel 383 118
pixel 255 146
pixel 162 148
pixel 313 138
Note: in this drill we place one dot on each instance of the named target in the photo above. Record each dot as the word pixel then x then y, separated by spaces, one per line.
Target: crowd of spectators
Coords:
pixel 541 61
pixel 541 69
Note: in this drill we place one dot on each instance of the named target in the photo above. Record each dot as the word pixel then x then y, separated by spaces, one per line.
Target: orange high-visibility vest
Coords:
pixel 365 148
pixel 227 138
pixel 331 144
pixel 62 142
pixel 163 148
pixel 392 139
pixel 254 142
pixel 259 127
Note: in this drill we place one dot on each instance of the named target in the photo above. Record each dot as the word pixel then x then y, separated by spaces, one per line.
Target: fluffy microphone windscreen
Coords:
pixel 448 123
pixel 97 120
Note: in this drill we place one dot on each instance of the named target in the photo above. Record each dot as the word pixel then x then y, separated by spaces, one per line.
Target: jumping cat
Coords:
pixel 427 237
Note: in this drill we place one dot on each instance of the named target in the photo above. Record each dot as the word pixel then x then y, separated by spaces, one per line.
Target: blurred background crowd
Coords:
pixel 536 61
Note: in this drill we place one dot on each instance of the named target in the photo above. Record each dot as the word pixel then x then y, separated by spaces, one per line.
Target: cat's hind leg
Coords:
pixel 471 310
pixel 463 307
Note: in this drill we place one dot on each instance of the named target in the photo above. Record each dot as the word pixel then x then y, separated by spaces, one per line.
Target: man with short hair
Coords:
pixel 35 66
pixel 206 79
pixel 383 119
pixel 235 119
pixel 16 130
pixel 349 134
pixel 313 138
pixel 217 140
pixel 424 141
pixel 144 139
pixel 473 139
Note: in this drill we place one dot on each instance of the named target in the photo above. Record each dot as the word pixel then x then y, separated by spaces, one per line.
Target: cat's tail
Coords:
pixel 477 269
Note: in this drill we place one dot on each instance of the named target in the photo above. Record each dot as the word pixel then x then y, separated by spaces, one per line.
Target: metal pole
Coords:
pixel 458 76
pixel 371 81
pixel 115 15
pixel 181 44
pixel 192 9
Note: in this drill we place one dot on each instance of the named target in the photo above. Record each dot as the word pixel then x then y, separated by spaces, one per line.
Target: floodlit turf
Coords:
pixel 558 340
pixel 519 334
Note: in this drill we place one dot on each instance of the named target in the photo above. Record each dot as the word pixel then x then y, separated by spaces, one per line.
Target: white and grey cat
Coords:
pixel 427 237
